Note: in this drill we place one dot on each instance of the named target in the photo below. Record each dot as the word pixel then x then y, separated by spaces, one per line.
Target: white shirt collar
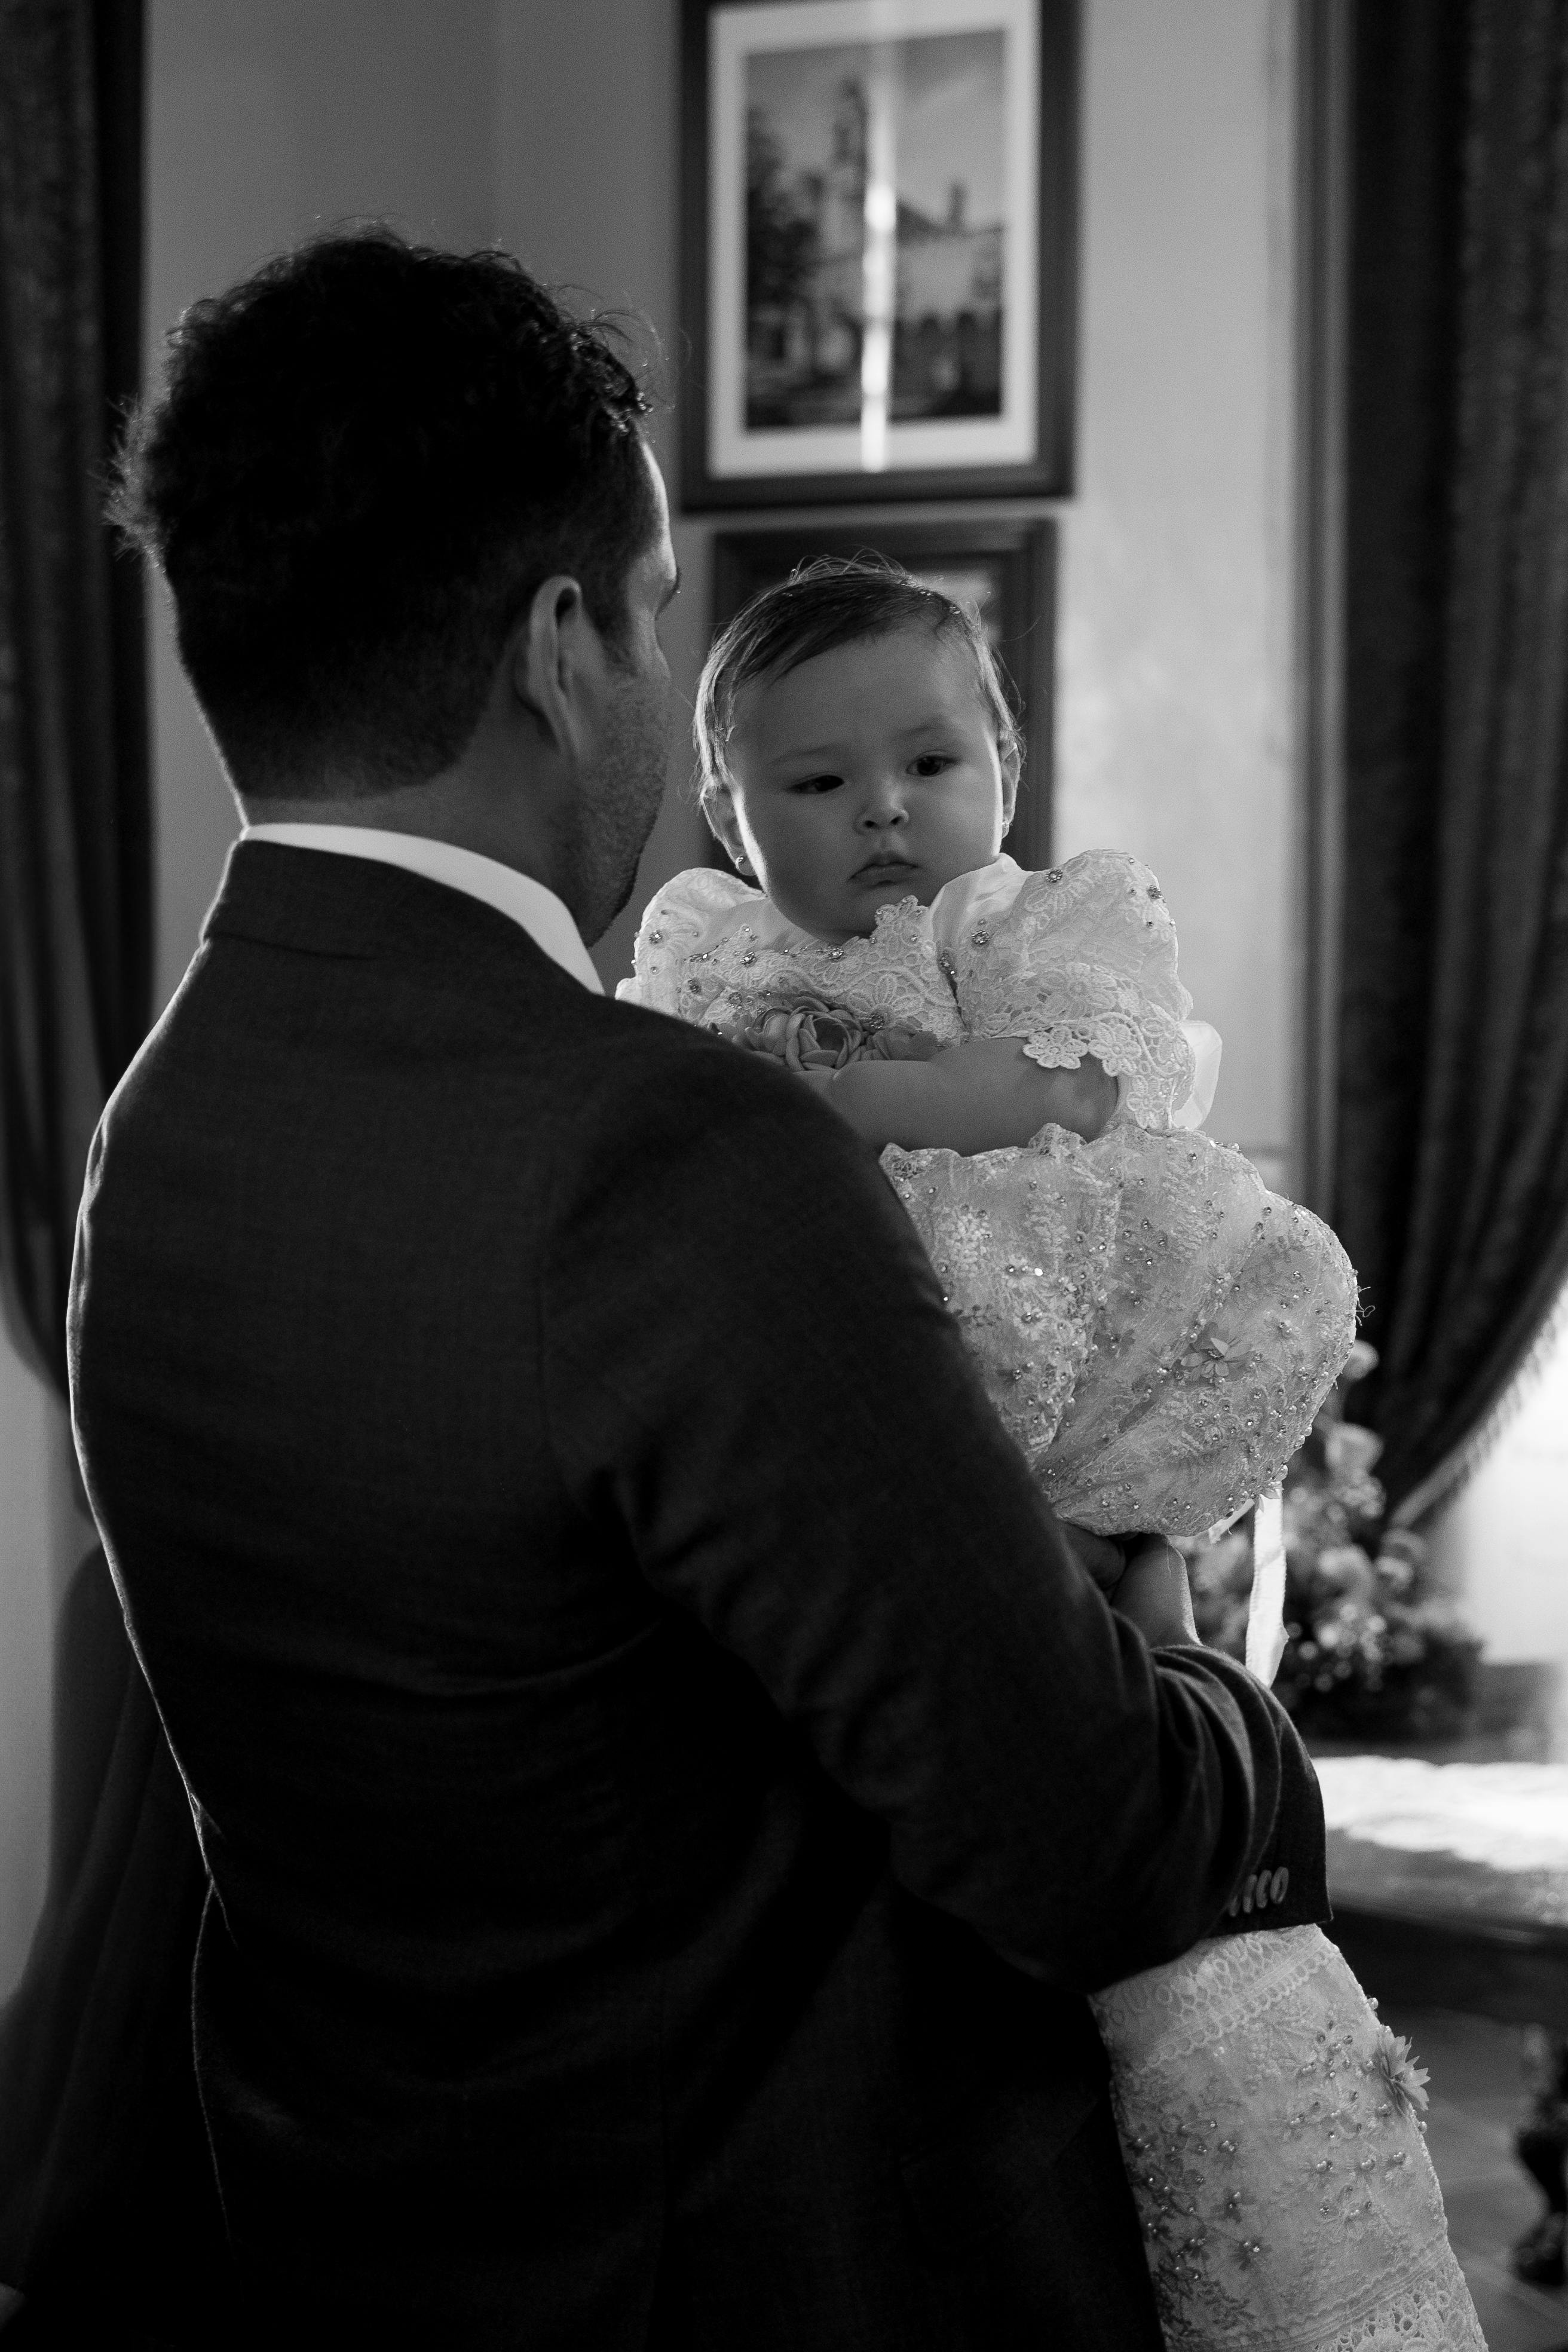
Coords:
pixel 538 911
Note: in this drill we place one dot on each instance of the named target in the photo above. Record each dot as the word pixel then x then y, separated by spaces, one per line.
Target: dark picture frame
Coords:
pixel 1016 354
pixel 1017 559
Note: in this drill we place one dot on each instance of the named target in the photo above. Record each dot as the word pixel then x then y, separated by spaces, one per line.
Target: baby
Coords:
pixel 1154 1326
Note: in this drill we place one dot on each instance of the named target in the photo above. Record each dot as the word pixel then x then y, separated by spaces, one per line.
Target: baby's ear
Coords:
pixel 719 808
pixel 1012 766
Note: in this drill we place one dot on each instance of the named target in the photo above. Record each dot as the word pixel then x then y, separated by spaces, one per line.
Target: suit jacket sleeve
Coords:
pixel 750 1367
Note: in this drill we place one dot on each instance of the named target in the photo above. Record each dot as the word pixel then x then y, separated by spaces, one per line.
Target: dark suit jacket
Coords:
pixel 664 1784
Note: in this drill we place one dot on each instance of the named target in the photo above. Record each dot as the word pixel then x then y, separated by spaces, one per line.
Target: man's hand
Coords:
pixel 1100 1556
pixel 1143 1577
pixel 1153 1593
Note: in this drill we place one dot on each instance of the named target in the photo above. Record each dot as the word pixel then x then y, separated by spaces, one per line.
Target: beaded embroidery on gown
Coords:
pixel 1216 1316
pixel 1157 1330
pixel 1269 2127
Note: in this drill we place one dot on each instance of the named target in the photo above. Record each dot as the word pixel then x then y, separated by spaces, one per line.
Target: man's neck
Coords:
pixel 432 812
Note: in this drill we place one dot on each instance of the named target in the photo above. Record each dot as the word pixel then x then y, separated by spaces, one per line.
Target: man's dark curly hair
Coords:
pixel 364 461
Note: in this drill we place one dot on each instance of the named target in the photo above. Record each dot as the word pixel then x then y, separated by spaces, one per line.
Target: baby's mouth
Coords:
pixel 882 869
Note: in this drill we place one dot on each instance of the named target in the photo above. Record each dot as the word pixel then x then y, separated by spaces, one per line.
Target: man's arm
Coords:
pixel 805 1460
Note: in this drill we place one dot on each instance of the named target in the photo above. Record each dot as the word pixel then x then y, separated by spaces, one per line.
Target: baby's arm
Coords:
pixel 978 1097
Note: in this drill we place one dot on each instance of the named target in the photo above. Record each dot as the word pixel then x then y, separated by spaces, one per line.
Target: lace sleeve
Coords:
pixel 1080 1008
pixel 1084 961
pixel 677 922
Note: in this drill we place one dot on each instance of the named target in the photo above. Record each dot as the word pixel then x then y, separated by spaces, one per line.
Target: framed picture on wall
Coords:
pixel 878 236
pixel 1005 571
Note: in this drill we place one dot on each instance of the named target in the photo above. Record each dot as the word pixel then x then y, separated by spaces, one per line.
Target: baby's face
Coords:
pixel 866 775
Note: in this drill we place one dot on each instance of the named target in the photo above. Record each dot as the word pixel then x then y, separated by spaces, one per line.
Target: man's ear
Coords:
pixel 724 825
pixel 557 662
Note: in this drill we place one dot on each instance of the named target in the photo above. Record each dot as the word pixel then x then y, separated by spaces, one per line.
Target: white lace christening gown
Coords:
pixel 1158 1330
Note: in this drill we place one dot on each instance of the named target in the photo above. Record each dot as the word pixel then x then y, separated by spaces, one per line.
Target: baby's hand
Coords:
pixel 1081 1100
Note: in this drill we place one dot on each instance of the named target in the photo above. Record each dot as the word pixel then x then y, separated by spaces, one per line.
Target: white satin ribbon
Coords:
pixel 1207 1048
pixel 1265 1610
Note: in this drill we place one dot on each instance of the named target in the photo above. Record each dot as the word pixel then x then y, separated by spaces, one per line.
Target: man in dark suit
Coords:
pixel 665 1781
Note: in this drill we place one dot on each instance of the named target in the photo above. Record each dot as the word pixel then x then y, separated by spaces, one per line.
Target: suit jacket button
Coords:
pixel 1281 1884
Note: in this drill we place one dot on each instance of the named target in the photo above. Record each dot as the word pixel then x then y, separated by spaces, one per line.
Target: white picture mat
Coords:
pixel 737 33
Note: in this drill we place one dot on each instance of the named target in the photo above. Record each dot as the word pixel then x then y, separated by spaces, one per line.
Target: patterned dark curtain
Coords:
pixel 1452 1179
pixel 75 886
pixel 104 2192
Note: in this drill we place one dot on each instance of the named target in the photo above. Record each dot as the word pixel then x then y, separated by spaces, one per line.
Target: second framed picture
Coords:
pixel 1004 571
pixel 877 249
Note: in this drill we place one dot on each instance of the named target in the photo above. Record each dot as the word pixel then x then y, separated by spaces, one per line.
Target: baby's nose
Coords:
pixel 884 804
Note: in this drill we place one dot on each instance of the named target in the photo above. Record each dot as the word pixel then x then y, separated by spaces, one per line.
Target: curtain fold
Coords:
pixel 75 887
pixel 1453 1161
pixel 103 2172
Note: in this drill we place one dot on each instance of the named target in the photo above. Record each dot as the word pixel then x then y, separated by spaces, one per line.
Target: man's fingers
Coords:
pixel 1101 1555
pixel 1155 1594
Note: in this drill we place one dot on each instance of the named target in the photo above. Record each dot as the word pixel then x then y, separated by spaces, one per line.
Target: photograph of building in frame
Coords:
pixel 877 251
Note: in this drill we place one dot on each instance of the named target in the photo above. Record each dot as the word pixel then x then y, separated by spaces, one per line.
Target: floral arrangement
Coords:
pixel 807 1033
pixel 1368 1648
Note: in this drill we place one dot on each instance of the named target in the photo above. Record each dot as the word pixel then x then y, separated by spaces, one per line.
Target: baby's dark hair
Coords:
pixel 837 601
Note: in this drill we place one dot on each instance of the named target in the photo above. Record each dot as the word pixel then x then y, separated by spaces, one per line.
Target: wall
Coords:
pixel 43 1536
pixel 1499 1547
pixel 551 124
pixel 26 1602
pixel 1175 647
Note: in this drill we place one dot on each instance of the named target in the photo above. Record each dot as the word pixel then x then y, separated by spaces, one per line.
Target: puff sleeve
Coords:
pixel 1084 961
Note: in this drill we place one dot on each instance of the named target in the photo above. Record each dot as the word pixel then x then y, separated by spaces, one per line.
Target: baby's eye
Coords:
pixel 817 784
pixel 930 763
